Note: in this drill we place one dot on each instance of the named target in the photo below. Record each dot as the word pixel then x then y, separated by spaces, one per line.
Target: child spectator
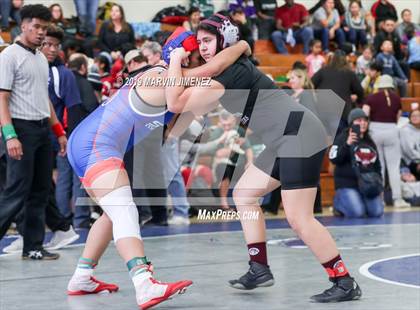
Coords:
pixel 406 22
pixel 414 52
pixel 370 82
pixel 326 23
pixel 315 60
pixel 363 62
pixel 392 68
pixel 355 24
pixel 354 146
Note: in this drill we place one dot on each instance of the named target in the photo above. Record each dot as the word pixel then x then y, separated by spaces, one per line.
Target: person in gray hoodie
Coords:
pixel 410 143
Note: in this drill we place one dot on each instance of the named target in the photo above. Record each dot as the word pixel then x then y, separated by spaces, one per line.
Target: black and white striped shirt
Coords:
pixel 24 73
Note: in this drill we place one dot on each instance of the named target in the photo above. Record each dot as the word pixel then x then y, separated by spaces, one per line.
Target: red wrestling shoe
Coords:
pixel 92 286
pixel 150 292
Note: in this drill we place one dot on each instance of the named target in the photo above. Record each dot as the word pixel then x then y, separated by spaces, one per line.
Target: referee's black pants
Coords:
pixel 28 183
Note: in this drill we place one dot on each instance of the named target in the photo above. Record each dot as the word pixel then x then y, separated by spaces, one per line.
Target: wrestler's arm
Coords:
pixel 198 100
pixel 220 62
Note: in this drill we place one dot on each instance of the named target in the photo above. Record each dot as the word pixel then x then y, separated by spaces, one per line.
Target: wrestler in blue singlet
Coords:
pixel 102 139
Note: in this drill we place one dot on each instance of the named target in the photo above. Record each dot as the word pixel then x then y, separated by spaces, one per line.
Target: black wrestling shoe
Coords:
pixel 41 254
pixel 258 275
pixel 344 289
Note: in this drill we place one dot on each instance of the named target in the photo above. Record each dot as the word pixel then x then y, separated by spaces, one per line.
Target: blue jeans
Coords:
pixel 357 37
pixel 86 11
pixel 6 11
pixel 351 203
pixel 303 35
pixel 324 36
pixel 173 176
pixel 68 187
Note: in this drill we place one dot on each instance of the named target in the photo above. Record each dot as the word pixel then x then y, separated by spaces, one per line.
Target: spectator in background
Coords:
pixel 265 12
pixel 370 82
pixel 206 7
pixel 245 31
pixel 410 143
pixel 10 8
pixel 355 24
pixel 64 95
pixel 392 68
pixel 406 22
pixel 337 4
pixel 355 146
pixel 338 77
pixel 115 32
pixel 86 11
pixel 232 154
pixel 327 25
pixel 57 15
pixel 384 110
pixel 153 52
pixel 363 61
pixel 247 7
pixel 292 20
pixel 388 32
pixel 383 10
pixel 194 16
pixel 414 52
pixel 315 60
pixel 103 64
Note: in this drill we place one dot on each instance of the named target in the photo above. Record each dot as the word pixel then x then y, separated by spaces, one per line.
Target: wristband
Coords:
pixel 58 130
pixel 8 132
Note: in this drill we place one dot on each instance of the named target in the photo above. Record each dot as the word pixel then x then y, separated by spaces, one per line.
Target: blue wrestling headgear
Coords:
pixel 179 38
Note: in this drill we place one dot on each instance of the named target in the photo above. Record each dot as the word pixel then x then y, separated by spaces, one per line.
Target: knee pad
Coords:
pixel 121 209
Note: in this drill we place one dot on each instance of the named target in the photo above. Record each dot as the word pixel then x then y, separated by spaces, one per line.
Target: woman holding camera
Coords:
pixel 354 147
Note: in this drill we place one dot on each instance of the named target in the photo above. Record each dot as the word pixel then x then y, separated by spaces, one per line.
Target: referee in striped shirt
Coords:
pixel 26 116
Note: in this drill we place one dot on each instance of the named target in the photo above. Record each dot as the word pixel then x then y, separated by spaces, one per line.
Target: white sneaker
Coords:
pixel 15 246
pixel 179 220
pixel 61 239
pixel 401 203
pixel 150 292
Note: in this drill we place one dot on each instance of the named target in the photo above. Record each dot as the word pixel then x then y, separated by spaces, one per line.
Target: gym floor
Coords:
pixel 382 254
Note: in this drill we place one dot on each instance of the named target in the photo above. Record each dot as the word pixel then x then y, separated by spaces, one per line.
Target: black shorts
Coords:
pixel 293 173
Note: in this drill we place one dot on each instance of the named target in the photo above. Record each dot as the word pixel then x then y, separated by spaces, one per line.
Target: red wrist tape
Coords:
pixel 58 130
